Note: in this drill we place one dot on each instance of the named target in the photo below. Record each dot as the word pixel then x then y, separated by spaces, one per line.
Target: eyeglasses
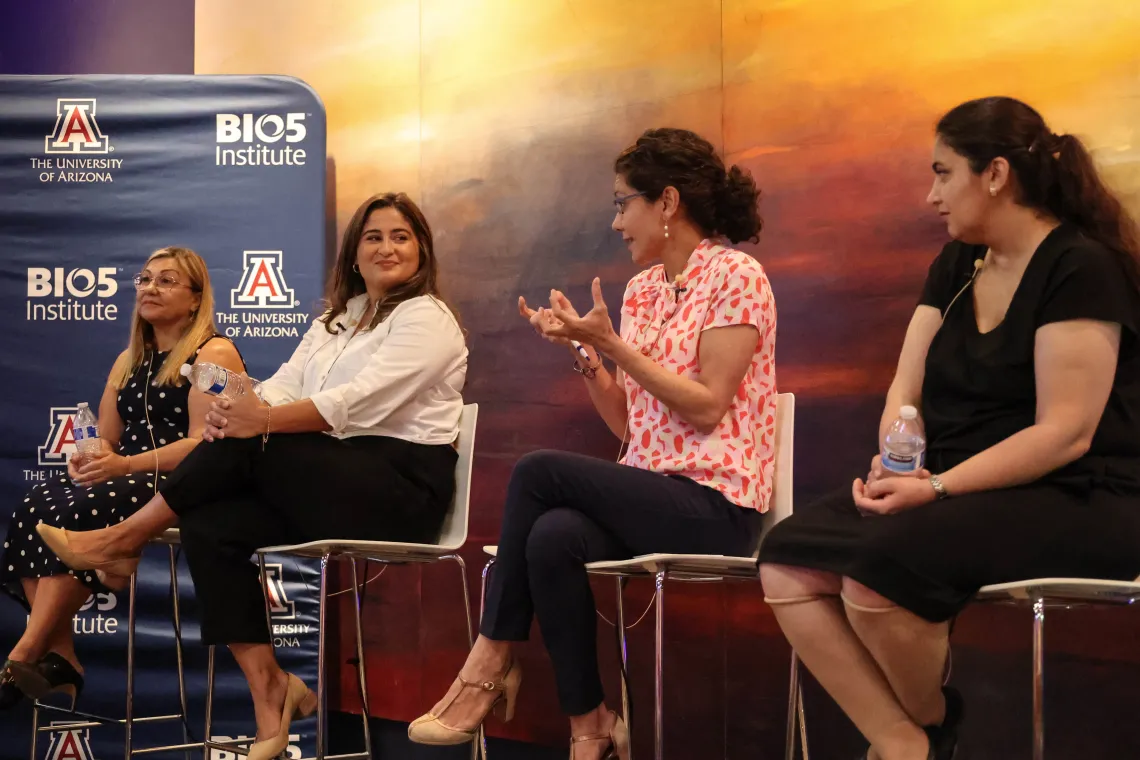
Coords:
pixel 162 282
pixel 621 200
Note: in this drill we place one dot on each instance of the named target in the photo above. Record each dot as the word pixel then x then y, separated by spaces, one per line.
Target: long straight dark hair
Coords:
pixel 1055 173
pixel 347 283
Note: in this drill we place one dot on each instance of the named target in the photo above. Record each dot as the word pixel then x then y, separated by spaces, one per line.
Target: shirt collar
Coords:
pixel 700 257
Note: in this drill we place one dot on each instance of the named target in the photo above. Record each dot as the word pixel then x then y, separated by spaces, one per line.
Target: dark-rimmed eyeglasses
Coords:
pixel 621 200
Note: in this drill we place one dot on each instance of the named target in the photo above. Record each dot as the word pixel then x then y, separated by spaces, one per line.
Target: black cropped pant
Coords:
pixel 565 510
pixel 233 498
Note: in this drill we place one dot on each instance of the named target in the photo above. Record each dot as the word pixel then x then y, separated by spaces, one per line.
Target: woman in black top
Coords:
pixel 1023 357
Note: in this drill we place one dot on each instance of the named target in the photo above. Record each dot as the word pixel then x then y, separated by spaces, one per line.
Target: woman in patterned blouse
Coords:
pixel 693 399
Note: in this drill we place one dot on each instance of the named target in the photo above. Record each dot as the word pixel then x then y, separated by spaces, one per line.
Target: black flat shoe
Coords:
pixel 10 693
pixel 52 675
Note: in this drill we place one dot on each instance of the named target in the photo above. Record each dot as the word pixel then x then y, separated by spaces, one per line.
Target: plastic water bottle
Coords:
pixel 904 445
pixel 86 432
pixel 215 380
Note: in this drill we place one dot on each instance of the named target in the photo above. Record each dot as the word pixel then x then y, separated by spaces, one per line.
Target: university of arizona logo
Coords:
pixel 262 283
pixel 70 744
pixel 76 130
pixel 60 442
pixel 279 604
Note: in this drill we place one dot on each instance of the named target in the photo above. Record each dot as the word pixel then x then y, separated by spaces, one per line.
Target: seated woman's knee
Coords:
pixel 788 582
pixel 856 593
pixel 556 538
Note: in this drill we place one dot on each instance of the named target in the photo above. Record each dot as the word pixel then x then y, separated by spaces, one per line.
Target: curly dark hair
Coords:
pixel 720 202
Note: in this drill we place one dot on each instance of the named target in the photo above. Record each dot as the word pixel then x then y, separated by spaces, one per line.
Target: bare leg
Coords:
pixel 488 661
pixel 910 651
pixel 268 684
pixel 56 600
pixel 809 611
pixel 125 539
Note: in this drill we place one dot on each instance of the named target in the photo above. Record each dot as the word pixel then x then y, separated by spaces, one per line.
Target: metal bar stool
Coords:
pixel 88 720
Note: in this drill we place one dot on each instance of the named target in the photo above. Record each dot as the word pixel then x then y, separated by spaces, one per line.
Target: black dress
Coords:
pixel 1082 520
pixel 58 502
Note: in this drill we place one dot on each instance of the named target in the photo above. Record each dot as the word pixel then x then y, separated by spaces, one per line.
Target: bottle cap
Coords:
pixel 908 412
pixel 82 405
pixel 184 370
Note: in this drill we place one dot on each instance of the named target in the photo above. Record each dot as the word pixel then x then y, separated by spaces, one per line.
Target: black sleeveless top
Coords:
pixel 979 389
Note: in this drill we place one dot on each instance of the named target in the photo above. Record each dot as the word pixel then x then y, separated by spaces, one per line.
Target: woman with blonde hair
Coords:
pixel 148 422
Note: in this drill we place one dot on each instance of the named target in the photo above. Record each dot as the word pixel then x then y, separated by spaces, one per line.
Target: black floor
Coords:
pixel 390 742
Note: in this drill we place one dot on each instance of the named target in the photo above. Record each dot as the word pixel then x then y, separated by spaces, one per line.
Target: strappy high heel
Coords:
pixel 618 738
pixel 429 729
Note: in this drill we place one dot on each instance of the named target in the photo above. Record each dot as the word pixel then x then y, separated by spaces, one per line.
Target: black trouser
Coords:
pixel 233 498
pixel 564 510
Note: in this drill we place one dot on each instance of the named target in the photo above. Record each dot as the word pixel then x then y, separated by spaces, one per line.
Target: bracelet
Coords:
pixel 588 372
pixel 268 419
pixel 939 489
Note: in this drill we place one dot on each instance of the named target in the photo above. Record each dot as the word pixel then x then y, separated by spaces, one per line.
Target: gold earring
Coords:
pixel 666 231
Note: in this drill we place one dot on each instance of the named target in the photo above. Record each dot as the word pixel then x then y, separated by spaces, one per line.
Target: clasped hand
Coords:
pixel 245 416
pixel 885 492
pixel 561 323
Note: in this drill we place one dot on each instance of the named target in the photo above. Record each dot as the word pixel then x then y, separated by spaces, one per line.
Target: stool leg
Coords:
pixel 803 718
pixel 177 620
pixel 1038 678
pixel 322 686
pixel 129 721
pixel 487 568
pixel 793 694
pixel 361 670
pixel 659 674
pixel 35 727
pixel 619 629
pixel 470 634
pixel 209 702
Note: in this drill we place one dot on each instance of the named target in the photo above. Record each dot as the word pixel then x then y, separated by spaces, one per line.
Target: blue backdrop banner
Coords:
pixel 95 174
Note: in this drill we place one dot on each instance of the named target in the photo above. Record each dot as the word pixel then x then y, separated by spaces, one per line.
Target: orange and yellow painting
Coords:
pixel 502 118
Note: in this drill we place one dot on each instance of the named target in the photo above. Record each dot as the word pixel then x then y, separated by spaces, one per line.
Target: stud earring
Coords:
pixel 993 190
pixel 666 231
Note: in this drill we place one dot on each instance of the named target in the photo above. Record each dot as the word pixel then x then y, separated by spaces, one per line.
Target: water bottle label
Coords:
pixel 84 433
pixel 902 463
pixel 219 386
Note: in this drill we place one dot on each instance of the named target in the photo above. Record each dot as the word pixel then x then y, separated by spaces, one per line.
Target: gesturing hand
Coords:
pixel 595 328
pixel 542 320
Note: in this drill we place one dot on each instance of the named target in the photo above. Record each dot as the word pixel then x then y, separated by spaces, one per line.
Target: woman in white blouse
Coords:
pixel 370 402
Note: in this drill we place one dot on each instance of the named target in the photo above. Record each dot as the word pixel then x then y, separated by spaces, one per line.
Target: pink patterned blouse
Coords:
pixel 722 287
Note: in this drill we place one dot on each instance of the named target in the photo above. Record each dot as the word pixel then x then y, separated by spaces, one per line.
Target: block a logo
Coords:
pixel 76 131
pixel 262 283
pixel 70 744
pixel 280 606
pixel 60 442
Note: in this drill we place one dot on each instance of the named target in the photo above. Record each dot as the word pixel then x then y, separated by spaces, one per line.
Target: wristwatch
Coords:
pixel 939 489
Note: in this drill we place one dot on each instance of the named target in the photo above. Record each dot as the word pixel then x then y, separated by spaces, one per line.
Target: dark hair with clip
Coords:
pixel 1054 173
pixel 719 202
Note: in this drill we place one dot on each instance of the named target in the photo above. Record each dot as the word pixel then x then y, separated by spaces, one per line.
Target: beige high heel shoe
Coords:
pixel 57 540
pixel 300 702
pixel 618 738
pixel 429 729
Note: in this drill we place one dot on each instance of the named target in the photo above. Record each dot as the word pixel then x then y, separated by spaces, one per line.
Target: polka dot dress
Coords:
pixel 57 502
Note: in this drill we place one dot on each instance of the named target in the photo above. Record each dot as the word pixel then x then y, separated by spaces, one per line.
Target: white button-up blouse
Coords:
pixel 402 379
